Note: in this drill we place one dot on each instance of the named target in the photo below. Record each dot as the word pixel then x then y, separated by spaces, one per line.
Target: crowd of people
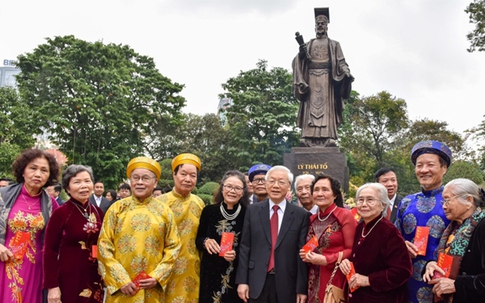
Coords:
pixel 139 244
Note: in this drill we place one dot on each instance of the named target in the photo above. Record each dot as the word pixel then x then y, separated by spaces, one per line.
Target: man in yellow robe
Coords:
pixel 139 236
pixel 184 283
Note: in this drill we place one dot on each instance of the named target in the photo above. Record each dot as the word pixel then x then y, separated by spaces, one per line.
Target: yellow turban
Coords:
pixel 144 162
pixel 186 159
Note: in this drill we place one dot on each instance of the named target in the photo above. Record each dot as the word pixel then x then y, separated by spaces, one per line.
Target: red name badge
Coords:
pixel 310 245
pixel 421 239
pixel 350 275
pixel 94 251
pixel 227 241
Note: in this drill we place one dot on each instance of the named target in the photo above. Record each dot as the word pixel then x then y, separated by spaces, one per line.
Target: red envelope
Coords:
pixel 350 275
pixel 444 262
pixel 421 239
pixel 311 244
pixel 20 244
pixel 141 276
pixel 227 241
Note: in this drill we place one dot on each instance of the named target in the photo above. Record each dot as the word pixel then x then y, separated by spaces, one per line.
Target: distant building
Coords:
pixel 8 72
pixel 223 104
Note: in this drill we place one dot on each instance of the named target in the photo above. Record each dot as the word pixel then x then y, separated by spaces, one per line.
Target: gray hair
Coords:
pixel 381 192
pixel 280 168
pixel 71 171
pixel 304 176
pixel 461 187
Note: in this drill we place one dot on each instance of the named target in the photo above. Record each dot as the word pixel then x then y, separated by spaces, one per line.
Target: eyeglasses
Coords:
pixel 369 201
pixel 236 189
pixel 259 180
pixel 280 182
pixel 447 201
pixel 144 179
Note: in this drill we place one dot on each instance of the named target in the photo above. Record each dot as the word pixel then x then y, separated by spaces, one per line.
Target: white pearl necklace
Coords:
pixel 228 216
pixel 321 220
pixel 370 229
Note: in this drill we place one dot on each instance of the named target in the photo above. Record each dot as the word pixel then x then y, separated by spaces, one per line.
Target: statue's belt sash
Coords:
pixel 319 65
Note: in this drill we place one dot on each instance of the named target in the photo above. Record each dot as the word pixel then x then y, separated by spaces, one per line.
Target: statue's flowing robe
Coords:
pixel 321 88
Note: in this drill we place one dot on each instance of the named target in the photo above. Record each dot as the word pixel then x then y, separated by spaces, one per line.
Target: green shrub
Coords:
pixel 206 198
pixel 209 188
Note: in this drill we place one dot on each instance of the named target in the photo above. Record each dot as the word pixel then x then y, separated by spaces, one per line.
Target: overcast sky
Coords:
pixel 414 49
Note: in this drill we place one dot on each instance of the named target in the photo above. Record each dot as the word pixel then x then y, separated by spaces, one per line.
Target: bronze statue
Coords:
pixel 321 81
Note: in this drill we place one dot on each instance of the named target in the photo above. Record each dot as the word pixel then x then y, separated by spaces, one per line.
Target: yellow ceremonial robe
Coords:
pixel 137 236
pixel 183 286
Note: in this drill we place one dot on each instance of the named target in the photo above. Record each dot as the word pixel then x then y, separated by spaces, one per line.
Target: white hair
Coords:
pixel 381 192
pixel 302 177
pixel 280 168
pixel 461 187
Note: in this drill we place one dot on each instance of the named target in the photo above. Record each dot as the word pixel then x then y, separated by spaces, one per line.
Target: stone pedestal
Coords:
pixel 316 160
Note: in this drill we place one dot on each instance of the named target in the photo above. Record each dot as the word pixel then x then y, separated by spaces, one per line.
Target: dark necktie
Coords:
pixel 274 235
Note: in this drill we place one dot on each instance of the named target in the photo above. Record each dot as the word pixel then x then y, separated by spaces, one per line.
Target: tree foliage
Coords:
pixel 477 135
pixel 476 13
pixel 377 133
pixel 262 119
pixel 464 169
pixel 98 101
pixel 373 127
pixel 19 126
pixel 204 136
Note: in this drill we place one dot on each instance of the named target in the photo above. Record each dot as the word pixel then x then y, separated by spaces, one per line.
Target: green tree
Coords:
pixel 96 100
pixel 476 13
pixel 262 118
pixel 19 126
pixel 425 129
pixel 477 134
pixel 372 129
pixel 464 169
pixel 204 136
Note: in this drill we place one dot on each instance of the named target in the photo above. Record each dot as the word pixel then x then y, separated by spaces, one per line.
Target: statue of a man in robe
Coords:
pixel 321 82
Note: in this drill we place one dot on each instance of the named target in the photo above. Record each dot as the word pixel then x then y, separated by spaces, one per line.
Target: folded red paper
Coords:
pixel 141 276
pixel 310 245
pixel 444 262
pixel 227 241
pixel 350 275
pixel 421 239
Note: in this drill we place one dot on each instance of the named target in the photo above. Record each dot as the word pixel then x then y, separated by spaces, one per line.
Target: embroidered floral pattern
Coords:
pixel 153 245
pixel 139 264
pixel 127 244
pixel 140 222
pixel 185 227
pixel 92 225
pixel 31 224
pixel 180 266
pixel 190 284
pixel 225 226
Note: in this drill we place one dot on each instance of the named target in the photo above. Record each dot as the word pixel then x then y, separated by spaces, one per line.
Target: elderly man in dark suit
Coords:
pixel 387 177
pixel 98 199
pixel 273 233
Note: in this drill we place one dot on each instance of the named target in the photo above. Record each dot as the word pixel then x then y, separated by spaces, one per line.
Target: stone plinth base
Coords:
pixel 316 160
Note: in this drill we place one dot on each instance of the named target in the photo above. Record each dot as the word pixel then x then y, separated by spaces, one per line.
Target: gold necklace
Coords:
pixel 29 205
pixel 85 214
pixel 370 229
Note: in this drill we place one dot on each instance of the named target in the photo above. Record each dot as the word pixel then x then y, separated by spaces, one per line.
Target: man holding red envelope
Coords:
pixel 139 242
